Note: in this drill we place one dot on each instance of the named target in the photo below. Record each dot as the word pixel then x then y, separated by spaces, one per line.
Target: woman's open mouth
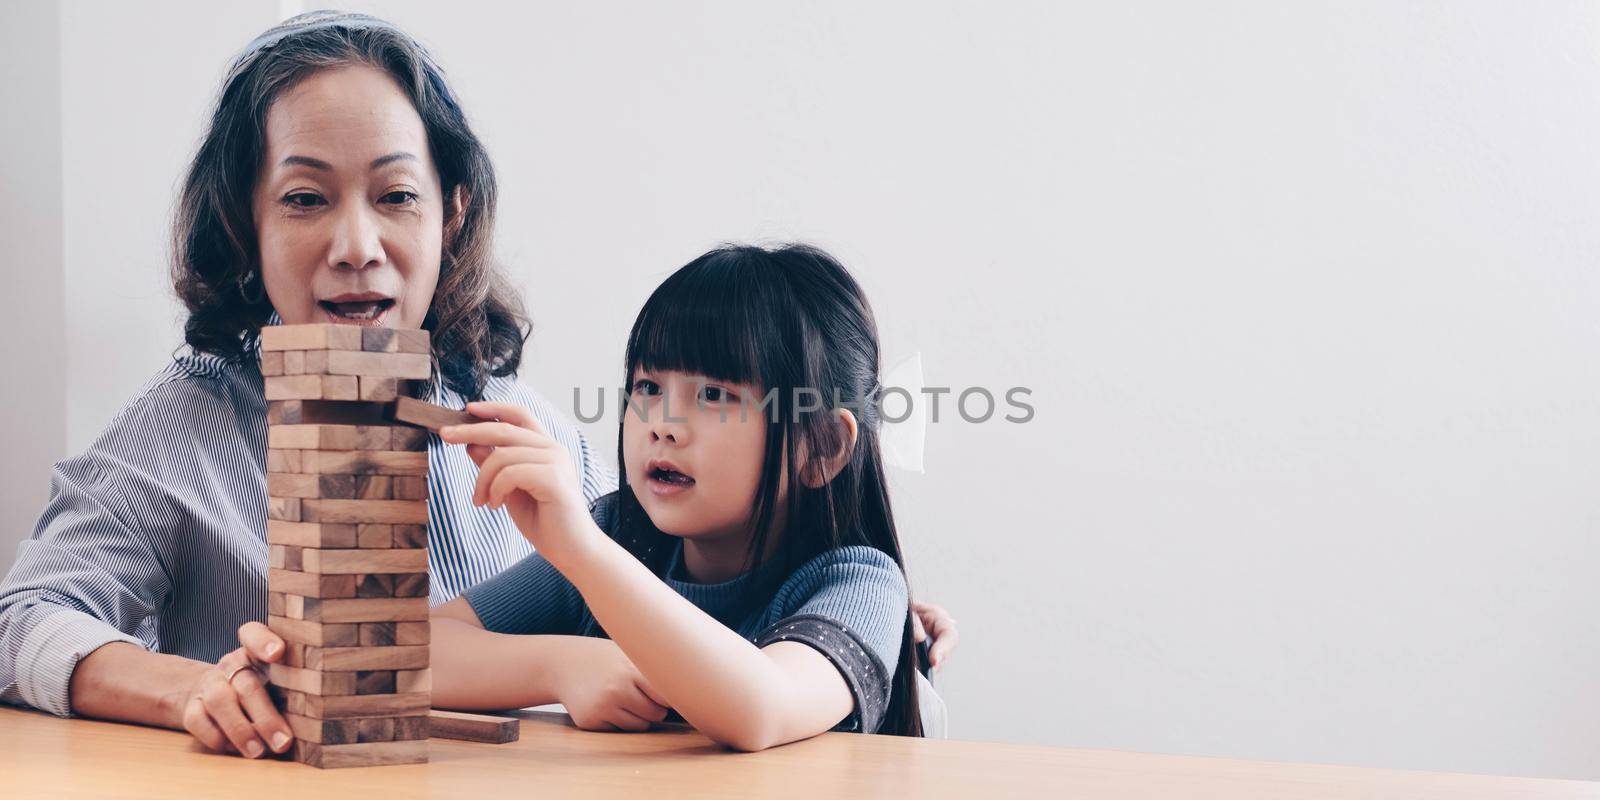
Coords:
pixel 357 312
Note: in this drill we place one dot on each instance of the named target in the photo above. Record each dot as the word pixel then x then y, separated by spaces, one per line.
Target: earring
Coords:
pixel 244 278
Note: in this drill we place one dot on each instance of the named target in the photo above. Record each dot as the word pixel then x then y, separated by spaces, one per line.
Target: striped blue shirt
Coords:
pixel 156 535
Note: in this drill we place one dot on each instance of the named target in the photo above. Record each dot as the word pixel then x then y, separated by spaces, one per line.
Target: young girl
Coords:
pixel 747 573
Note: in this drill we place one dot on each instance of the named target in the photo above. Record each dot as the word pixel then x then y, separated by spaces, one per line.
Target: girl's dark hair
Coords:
pixel 477 321
pixel 791 320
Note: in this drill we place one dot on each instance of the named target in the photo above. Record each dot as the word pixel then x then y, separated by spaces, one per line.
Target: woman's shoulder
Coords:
pixel 196 395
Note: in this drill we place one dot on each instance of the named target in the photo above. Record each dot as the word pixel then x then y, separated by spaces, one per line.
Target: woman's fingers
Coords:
pixel 506 412
pixel 919 634
pixel 937 623
pixel 260 644
pixel 222 703
pixel 269 724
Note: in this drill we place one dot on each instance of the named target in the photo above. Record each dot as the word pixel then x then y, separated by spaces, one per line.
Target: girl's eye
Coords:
pixel 646 387
pixel 715 394
pixel 302 200
pixel 399 198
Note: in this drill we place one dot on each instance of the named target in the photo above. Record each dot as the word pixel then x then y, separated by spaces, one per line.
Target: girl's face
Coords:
pixel 692 458
pixel 348 213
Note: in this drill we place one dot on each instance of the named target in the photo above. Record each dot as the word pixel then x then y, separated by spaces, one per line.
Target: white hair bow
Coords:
pixel 904 416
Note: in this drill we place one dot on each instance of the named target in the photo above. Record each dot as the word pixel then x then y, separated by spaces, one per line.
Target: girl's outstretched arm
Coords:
pixel 741 696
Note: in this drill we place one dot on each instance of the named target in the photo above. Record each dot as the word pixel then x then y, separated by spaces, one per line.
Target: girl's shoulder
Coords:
pixel 848 575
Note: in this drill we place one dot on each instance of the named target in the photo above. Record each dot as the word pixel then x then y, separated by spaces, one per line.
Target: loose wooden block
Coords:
pixel 271 364
pixel 320 336
pixel 409 487
pixel 365 609
pixel 311 387
pixel 312 681
pixel 368 754
pixel 366 705
pixel 417 366
pixel 375 536
pixel 310 584
pixel 314 633
pixel 327 536
pixel 378 389
pixel 326 412
pixel 362 562
pixel 413 680
pixel 410 536
pixel 286 509
pixel 373 487
pixel 296 484
pixel 427 415
pixel 473 727
pixel 363 462
pixel 367 657
pixel 329 437
pixel 391 340
pixel 397 512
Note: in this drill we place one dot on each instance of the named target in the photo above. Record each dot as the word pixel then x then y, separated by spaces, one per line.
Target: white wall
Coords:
pixel 1305 294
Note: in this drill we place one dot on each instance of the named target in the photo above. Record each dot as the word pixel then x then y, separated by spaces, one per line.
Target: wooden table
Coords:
pixel 42 756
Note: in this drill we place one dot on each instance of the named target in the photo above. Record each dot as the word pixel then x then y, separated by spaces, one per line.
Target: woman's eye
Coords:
pixel 302 200
pixel 646 387
pixel 399 198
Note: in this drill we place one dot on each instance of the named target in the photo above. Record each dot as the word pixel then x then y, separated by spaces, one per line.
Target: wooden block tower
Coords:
pixel 347 542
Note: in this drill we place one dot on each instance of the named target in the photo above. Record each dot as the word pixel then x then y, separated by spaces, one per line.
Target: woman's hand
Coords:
pixel 603 691
pixel 521 468
pixel 926 618
pixel 228 708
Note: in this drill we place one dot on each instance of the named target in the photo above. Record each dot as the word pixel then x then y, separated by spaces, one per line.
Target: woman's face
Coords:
pixel 348 209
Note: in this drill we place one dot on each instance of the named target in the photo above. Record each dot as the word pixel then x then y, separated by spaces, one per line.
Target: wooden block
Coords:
pixel 411 633
pixel 294 606
pixel 314 633
pixel 366 609
pixel 378 389
pixel 410 439
pixel 397 512
pixel 312 681
pixel 375 537
pixel 366 705
pixel 294 363
pixel 391 340
pixel 311 387
pixel 410 536
pixel 377 634
pixel 362 562
pixel 427 415
pixel 327 536
pixel 286 509
pixel 375 586
pixel 274 603
pixel 473 727
pixel 325 412
pixel 322 731
pixel 375 681
pixel 319 336
pixel 367 754
pixel 417 366
pixel 294 655
pixel 411 584
pixel 271 364
pixel 413 680
pixel 283 460
pixel 363 462
pixel 297 484
pixel 329 437
pixel 346 659
pixel 373 487
pixel 283 557
pixel 409 487
pixel 311 584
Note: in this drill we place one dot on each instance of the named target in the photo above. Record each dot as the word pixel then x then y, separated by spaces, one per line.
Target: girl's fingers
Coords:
pixel 479 453
pixel 650 692
pixel 200 725
pixel 501 458
pixel 222 703
pixel 535 479
pixel 626 720
pixel 496 434
pixel 506 412
pixel 641 706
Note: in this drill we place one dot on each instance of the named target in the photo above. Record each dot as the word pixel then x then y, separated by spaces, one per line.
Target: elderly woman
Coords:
pixel 338 182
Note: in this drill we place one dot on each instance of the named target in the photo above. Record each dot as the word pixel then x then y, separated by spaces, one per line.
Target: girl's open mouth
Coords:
pixel 361 312
pixel 666 480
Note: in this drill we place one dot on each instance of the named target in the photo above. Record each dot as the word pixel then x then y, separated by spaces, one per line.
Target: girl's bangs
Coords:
pixel 707 321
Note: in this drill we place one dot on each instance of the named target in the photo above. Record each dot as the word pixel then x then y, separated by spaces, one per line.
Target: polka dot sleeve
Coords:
pixel 863 671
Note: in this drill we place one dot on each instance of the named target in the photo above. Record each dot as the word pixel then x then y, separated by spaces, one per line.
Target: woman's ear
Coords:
pixel 818 472
pixel 455 214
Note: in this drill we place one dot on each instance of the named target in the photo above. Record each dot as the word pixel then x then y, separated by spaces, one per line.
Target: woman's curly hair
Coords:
pixel 477 320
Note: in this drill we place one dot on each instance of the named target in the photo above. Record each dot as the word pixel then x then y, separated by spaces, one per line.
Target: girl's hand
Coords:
pixel 521 468
pixel 228 708
pixel 603 691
